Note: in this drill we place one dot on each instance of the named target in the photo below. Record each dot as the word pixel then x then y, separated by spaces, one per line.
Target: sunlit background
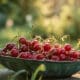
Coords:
pixel 57 21
pixel 46 18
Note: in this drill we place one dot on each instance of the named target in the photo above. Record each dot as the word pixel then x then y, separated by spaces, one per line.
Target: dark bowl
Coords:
pixel 53 69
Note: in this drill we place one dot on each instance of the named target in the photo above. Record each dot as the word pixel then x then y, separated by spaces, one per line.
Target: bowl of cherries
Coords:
pixel 60 60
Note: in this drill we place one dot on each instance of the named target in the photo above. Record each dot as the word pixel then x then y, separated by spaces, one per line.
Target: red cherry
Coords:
pixel 54 51
pixel 28 43
pixel 39 56
pixel 37 47
pixel 73 59
pixel 24 48
pixel 10 46
pixel 14 52
pixel 34 42
pixel 4 50
pixel 45 53
pixel 62 54
pixel 3 53
pixel 62 51
pixel 26 55
pixel 62 57
pixel 22 40
pixel 23 55
pixel 78 54
pixel 73 55
pixel 29 56
pixel 46 47
pixel 67 47
pixel 55 58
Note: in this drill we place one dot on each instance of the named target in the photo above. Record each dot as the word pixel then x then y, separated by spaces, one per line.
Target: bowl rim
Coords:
pixel 43 61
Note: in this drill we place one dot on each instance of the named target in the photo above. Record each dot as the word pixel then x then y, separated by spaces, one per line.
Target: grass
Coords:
pixel 9 35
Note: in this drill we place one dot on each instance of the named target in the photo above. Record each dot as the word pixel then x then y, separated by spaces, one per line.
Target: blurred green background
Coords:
pixel 45 18
pixel 53 19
